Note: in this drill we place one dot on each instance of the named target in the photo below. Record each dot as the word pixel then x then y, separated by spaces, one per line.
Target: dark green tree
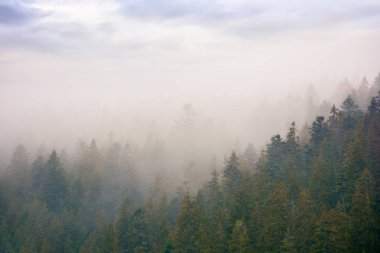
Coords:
pixel 231 177
pixel 187 237
pixel 138 234
pixel 274 159
pixel 275 220
pixel 363 218
pixel 331 234
pixel 54 187
pixel 239 242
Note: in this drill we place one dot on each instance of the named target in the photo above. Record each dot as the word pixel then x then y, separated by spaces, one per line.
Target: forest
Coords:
pixel 311 191
pixel 189 126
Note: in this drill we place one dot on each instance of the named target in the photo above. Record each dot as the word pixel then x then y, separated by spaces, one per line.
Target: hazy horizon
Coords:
pixel 86 69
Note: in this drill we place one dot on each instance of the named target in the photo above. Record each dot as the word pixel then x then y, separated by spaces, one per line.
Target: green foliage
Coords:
pixel 275 219
pixel 363 218
pixel 332 232
pixel 275 154
pixel 239 242
pixel 303 222
pixel 54 187
pixel 318 133
pixel 231 176
pixel 321 196
pixel 187 237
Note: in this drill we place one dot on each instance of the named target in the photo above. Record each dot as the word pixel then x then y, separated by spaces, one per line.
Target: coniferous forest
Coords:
pixel 189 126
pixel 315 192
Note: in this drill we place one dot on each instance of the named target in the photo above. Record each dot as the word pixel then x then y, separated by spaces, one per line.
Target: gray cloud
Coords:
pixel 251 19
pixel 16 14
pixel 256 18
pixel 306 17
pixel 164 10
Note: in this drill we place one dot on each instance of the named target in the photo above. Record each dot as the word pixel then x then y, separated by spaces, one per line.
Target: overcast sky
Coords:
pixel 57 52
pixel 182 43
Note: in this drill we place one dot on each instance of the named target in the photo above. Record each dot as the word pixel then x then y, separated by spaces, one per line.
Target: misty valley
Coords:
pixel 189 126
pixel 314 189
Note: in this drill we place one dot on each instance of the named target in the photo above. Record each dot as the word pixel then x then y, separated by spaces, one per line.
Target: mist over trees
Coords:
pixel 182 126
pixel 313 189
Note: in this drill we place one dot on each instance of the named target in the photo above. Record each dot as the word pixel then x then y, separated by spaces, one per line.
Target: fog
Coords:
pixel 197 79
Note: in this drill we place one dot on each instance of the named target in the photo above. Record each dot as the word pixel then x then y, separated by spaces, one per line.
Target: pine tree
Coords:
pixel 293 163
pixel 373 137
pixel 363 219
pixel 5 235
pixel 331 234
pixel 351 170
pixel 318 133
pixel 239 242
pixel 275 221
pixel 38 172
pixel 291 139
pixel 231 177
pixel 187 237
pixel 349 111
pixel 333 118
pixel 304 222
pixel 213 196
pixel 138 235
pixel 242 206
pixel 123 225
pixel 274 159
pixel 157 219
pixel 218 237
pixel 322 183
pixel 54 187
pixel 102 240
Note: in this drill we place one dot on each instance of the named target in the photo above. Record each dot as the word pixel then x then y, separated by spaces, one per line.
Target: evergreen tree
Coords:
pixel 38 173
pixel 239 240
pixel 363 219
pixel 138 235
pixel 318 133
pixel 54 187
pixel 231 177
pixel 331 233
pixel 243 205
pixel 218 235
pixel 302 227
pixel 275 153
pixel 291 139
pixel 373 138
pixel 275 220
pixel 187 237
pixel 322 183
pixel 123 225
pixel 213 196
pixel 349 111
pixel 351 170
pixel 293 163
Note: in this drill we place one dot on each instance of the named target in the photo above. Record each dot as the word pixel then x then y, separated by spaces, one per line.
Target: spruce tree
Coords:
pixel 363 217
pixel 331 234
pixel 276 220
pixel 239 242
pixel 54 187
pixel 187 237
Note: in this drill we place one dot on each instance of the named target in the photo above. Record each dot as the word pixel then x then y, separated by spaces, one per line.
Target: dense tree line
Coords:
pixel 318 194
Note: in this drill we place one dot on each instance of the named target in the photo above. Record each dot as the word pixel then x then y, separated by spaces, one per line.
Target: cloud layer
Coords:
pixel 69 25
